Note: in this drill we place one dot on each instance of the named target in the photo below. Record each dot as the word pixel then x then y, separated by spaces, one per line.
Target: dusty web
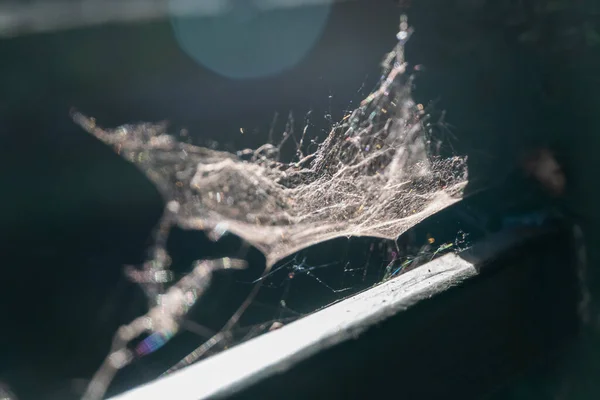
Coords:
pixel 376 174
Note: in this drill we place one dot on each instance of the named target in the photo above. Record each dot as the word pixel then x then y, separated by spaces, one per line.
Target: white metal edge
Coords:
pixel 276 351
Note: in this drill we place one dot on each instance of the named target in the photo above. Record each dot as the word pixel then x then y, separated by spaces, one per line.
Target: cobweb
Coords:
pixel 376 174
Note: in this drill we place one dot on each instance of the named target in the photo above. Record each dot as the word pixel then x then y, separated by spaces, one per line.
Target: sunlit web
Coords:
pixel 376 174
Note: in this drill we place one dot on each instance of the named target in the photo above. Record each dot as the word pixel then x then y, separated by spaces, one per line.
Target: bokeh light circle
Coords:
pixel 250 38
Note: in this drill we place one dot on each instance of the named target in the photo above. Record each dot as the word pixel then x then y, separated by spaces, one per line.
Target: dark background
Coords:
pixel 73 212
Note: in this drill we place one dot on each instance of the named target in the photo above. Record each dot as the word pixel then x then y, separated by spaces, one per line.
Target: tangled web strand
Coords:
pixel 376 174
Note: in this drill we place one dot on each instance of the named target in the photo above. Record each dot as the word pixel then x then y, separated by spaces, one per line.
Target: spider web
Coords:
pixel 376 174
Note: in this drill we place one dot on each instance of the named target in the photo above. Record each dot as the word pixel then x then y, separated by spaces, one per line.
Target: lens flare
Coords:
pixel 250 40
